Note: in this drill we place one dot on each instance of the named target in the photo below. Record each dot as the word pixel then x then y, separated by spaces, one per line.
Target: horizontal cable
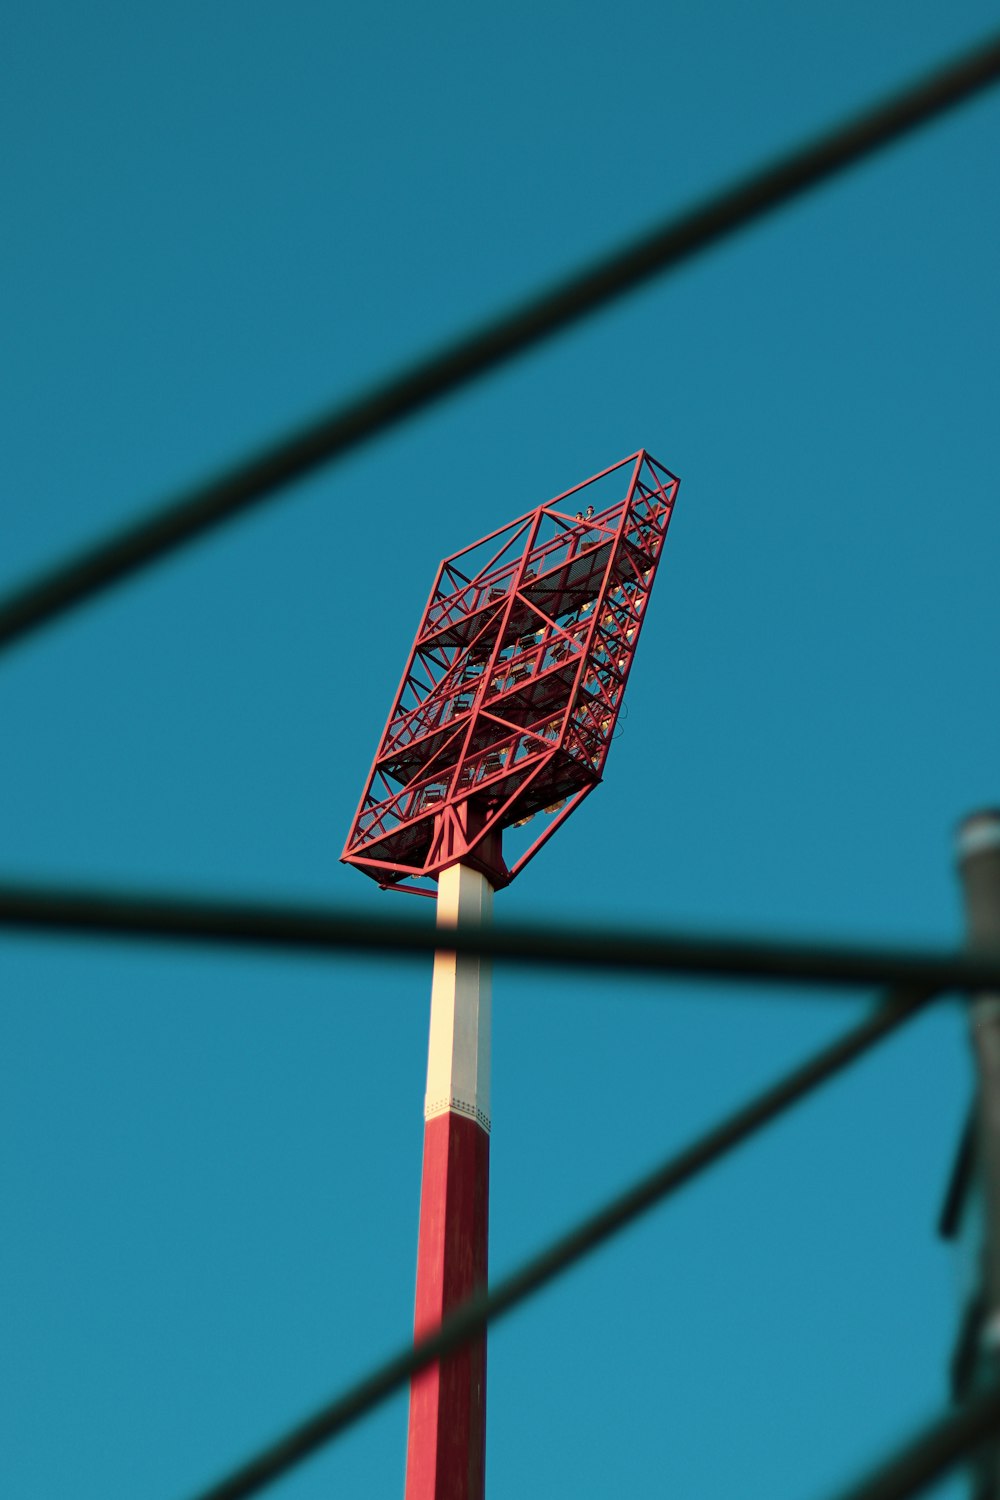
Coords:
pixel 935 1451
pixel 469 1320
pixel 109 914
pixel 417 386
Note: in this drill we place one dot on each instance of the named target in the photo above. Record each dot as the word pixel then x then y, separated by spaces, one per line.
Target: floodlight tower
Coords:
pixel 505 713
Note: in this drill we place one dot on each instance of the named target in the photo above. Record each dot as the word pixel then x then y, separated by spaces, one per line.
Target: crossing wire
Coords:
pixel 413 389
pixel 403 395
pixel 324 930
pixel 933 1452
pixel 471 1319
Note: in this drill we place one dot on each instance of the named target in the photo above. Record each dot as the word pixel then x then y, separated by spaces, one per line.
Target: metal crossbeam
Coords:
pixel 293 929
pixel 404 394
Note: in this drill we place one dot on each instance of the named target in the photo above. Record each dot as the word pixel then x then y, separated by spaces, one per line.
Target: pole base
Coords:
pixel 446 1452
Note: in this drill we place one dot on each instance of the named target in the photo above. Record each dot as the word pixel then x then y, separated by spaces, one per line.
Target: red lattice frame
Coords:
pixel 514 683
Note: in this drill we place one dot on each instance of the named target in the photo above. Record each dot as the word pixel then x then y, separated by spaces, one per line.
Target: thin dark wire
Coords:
pixel 931 1454
pixel 104 914
pixel 402 395
pixel 469 1321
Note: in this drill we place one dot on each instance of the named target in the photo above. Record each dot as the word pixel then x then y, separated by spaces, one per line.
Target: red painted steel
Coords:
pixel 446 1452
pixel 514 683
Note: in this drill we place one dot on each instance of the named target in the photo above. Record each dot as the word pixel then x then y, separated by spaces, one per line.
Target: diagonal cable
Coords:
pixel 471 1318
pixel 329 930
pixel 414 388
pixel 933 1452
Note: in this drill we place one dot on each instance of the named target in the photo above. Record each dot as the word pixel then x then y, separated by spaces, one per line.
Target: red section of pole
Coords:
pixel 446 1452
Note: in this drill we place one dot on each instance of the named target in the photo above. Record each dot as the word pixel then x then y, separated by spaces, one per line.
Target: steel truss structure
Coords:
pixel 514 683
pixel 105 563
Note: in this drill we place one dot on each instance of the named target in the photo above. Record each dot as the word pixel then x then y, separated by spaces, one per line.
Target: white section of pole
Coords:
pixel 458 1058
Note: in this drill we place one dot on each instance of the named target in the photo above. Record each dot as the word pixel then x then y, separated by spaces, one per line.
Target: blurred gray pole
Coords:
pixel 979 867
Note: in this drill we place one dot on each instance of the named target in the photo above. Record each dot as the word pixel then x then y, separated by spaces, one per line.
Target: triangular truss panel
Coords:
pixel 514 683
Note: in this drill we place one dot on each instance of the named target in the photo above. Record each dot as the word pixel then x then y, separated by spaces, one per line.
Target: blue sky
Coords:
pixel 215 222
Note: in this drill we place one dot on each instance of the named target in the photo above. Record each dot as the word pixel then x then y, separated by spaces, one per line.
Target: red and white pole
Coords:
pixel 446 1449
